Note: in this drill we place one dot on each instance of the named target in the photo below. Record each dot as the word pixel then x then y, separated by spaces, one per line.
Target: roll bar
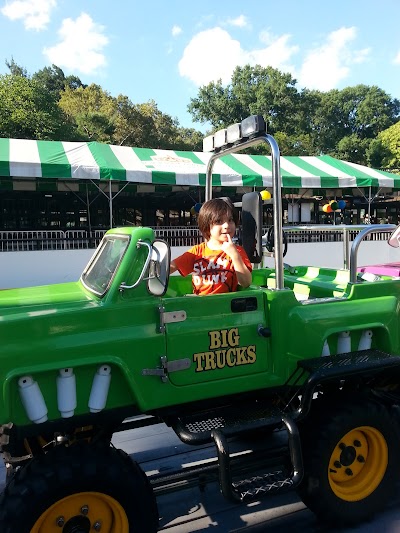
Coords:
pixel 277 192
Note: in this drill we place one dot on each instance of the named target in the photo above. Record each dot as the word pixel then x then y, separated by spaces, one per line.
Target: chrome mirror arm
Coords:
pixel 123 285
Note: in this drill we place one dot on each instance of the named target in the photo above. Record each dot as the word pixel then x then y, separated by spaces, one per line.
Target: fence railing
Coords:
pixel 17 241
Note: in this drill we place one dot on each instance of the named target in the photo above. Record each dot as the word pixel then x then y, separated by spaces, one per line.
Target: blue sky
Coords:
pixel 165 50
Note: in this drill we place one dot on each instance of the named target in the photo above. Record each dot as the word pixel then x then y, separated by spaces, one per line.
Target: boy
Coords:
pixel 217 265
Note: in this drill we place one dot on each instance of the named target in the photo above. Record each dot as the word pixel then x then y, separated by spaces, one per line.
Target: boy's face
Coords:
pixel 222 228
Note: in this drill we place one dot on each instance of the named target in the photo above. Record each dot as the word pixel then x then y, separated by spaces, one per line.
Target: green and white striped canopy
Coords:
pixel 21 158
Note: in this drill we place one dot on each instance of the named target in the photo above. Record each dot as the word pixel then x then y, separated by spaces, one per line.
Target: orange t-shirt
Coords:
pixel 212 270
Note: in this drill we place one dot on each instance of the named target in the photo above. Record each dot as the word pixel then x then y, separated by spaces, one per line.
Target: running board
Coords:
pixel 262 483
pixel 233 420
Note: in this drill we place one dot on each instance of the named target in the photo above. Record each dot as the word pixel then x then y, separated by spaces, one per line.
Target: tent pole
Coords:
pixel 88 211
pixel 110 204
pixel 369 204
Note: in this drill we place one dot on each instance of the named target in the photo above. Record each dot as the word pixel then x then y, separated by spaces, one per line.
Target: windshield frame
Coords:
pixel 103 264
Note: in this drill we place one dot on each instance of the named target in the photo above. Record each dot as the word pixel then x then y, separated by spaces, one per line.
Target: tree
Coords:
pixel 15 69
pixel 340 123
pixel 345 122
pixel 390 140
pixel 55 81
pixel 145 125
pixel 52 105
pixel 28 111
pixel 92 110
pixel 188 139
pixel 252 91
pixel 376 153
pixel 352 148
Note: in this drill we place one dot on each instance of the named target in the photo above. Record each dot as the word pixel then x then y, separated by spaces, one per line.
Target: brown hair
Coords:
pixel 213 211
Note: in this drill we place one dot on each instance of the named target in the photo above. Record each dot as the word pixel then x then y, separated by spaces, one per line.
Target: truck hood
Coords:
pixel 44 298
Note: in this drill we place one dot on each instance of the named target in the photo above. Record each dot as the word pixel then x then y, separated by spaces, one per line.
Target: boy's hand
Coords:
pixel 229 247
pixel 242 272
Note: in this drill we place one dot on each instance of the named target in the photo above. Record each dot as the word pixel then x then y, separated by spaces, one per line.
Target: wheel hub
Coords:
pixel 77 524
pixel 358 463
pixel 348 456
pixel 83 513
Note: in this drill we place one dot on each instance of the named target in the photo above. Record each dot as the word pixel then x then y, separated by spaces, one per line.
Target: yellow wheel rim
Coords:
pixel 85 509
pixel 358 464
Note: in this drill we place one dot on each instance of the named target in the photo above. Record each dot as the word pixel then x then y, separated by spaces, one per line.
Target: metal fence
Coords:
pixel 17 241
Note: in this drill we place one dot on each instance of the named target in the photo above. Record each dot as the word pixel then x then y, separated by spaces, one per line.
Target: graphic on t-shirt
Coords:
pixel 212 271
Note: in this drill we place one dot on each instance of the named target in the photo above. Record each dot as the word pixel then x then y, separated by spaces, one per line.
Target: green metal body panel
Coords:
pixel 45 329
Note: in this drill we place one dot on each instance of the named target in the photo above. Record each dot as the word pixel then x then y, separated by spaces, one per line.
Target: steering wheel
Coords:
pixel 270 241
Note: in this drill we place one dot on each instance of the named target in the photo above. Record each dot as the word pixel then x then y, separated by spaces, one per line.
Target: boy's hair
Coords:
pixel 214 211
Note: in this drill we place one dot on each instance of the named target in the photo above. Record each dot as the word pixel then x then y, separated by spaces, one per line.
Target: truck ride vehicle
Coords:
pixel 310 353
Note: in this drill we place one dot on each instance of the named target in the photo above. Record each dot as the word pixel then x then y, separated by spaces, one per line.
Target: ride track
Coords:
pixel 157 448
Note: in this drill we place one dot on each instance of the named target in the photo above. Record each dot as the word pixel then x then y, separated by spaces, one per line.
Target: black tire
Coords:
pixel 351 461
pixel 75 472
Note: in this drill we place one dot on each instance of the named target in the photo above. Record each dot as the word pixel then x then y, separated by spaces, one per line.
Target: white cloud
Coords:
pixel 325 67
pixel 213 54
pixel 34 13
pixel 396 60
pixel 176 30
pixel 210 55
pixel 276 54
pixel 240 21
pixel 80 49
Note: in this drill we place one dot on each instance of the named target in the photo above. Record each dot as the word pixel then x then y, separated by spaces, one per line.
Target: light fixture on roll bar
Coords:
pixel 250 128
pixel 208 143
pixel 233 133
pixel 253 126
pixel 220 139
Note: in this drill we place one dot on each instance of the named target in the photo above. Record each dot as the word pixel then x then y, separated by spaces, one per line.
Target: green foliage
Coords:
pixel 352 148
pixel 356 124
pixel 50 105
pixel 55 81
pixel 91 109
pixel 345 119
pixel 340 123
pixel 100 117
pixel 390 139
pixel 253 90
pixel 15 69
pixel 28 111
pixel 377 153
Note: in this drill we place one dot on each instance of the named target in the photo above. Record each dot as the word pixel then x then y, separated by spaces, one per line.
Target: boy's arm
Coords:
pixel 183 263
pixel 172 267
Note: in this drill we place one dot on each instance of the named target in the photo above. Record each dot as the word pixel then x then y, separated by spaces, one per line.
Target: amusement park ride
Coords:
pixel 312 353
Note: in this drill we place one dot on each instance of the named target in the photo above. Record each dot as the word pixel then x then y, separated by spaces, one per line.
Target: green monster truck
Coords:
pixel 310 353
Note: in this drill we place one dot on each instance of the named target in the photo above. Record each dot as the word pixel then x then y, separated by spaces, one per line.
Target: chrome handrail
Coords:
pixel 277 194
pixel 387 228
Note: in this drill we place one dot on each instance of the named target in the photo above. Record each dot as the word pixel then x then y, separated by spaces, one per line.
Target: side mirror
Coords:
pixel 394 239
pixel 252 226
pixel 160 259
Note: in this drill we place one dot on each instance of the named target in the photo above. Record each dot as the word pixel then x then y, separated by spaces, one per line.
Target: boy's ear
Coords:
pixel 252 226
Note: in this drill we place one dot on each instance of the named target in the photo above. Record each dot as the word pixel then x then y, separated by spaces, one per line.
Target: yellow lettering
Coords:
pixel 220 358
pixel 198 358
pixel 234 356
pixel 210 361
pixel 215 339
pixel 230 357
pixel 224 338
pixel 241 355
pixel 251 354
pixel 224 344
pixel 233 337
